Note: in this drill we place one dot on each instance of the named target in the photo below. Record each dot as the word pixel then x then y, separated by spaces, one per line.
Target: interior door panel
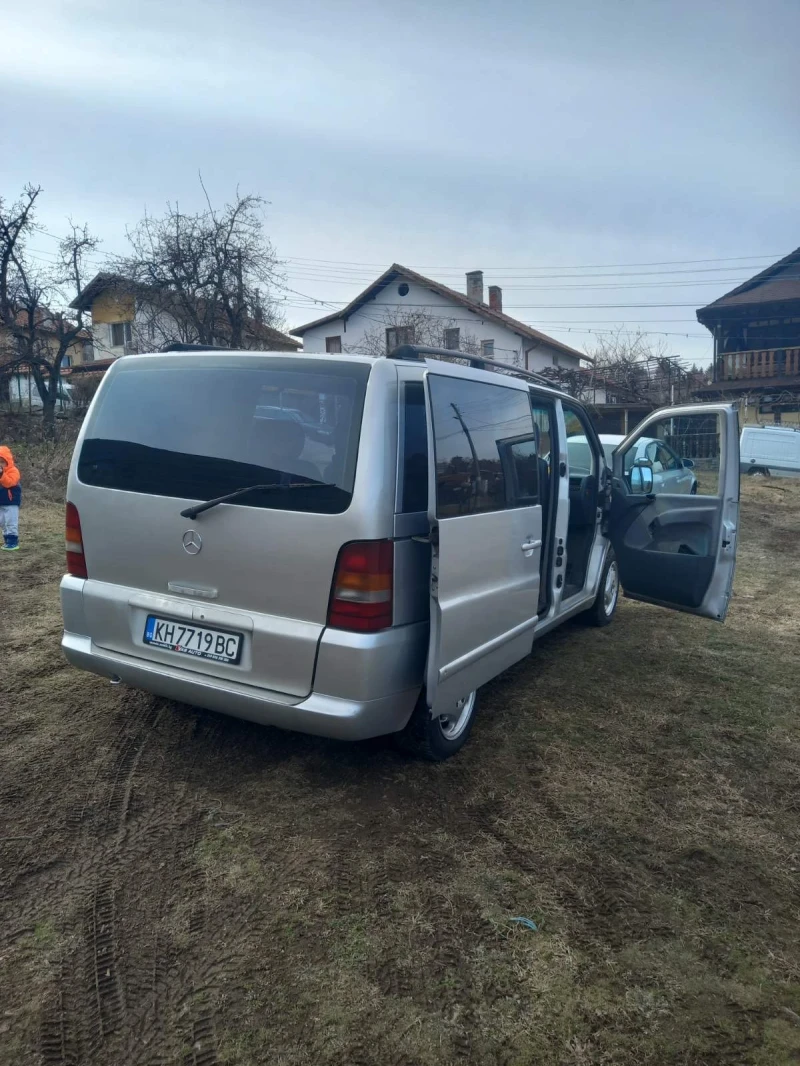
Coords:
pixel 583 500
pixel 684 539
pixel 676 549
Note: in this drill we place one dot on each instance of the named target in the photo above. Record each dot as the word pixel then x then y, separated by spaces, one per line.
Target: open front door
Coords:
pixel 486 532
pixel 675 508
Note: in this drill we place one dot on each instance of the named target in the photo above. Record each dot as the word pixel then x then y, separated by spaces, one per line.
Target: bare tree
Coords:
pixel 417 327
pixel 37 331
pixel 205 277
pixel 629 359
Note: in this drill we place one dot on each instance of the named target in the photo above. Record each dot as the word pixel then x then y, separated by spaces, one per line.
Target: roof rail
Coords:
pixel 179 346
pixel 417 352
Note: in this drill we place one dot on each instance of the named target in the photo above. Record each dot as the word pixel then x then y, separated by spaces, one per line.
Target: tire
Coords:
pixel 429 738
pixel 693 491
pixel 602 611
pixel 758 471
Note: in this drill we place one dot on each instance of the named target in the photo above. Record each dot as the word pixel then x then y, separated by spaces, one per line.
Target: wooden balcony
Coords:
pixel 765 363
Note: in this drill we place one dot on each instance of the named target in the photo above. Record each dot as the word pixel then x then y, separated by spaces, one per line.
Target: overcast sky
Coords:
pixel 524 138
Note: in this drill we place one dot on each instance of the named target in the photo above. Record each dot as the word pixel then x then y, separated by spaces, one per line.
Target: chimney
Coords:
pixel 496 298
pixel 475 286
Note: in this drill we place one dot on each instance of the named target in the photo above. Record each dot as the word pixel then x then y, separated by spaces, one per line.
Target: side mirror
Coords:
pixel 642 477
pixel 688 463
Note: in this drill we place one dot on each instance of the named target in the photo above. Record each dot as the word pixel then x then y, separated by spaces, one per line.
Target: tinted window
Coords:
pixel 522 473
pixel 415 449
pixel 194 431
pixel 482 434
pixel 579 451
pixel 542 422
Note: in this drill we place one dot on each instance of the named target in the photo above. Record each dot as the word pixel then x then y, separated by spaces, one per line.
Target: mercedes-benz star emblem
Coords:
pixel 192 541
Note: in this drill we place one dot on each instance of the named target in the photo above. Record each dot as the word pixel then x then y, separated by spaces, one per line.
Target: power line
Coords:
pixel 569 307
pixel 689 283
pixel 561 266
pixel 343 275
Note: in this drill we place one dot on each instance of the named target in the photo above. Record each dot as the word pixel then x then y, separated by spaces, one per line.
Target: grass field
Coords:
pixel 178 887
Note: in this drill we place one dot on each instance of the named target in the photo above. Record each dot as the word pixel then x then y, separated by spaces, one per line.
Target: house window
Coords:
pixel 333 345
pixel 487 349
pixel 397 335
pixel 66 361
pixel 120 334
pixel 452 339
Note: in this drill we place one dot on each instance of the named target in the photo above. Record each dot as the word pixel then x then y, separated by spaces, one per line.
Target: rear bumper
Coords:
pixel 322 715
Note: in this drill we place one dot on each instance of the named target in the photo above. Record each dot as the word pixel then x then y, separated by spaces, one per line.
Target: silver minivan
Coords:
pixel 352 547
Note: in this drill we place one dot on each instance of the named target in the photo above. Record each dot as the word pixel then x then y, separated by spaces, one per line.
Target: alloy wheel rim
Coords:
pixel 453 725
pixel 611 589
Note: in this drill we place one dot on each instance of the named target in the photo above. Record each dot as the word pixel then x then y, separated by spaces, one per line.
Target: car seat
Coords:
pixel 279 443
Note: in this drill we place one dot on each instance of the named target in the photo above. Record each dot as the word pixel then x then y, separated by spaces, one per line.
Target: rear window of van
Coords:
pixel 196 431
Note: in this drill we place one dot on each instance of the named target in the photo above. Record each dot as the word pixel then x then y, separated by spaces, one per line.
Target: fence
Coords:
pixel 695 437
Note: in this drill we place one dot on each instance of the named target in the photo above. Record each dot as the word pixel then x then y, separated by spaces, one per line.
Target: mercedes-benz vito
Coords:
pixel 352 547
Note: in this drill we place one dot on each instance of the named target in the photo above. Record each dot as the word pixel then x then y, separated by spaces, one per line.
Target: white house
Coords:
pixel 390 312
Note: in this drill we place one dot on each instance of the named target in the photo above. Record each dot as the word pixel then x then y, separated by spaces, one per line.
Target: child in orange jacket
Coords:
pixel 10 499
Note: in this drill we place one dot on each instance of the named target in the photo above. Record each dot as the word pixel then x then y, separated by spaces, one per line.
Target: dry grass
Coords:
pixel 198 889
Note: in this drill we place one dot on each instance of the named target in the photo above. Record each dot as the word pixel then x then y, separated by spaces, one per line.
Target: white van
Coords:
pixel 23 394
pixel 769 450
pixel 365 567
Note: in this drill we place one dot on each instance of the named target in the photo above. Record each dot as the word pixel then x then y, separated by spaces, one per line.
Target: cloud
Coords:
pixel 482 134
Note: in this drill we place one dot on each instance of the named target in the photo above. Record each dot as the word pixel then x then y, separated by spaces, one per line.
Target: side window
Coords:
pixel 485 446
pixel 669 459
pixel 545 437
pixel 414 449
pixel 582 461
pixel 652 454
pixel 542 420
pixel 520 462
pixel 679 455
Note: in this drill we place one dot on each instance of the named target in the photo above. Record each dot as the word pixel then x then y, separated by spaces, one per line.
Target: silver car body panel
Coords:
pixel 463 610
pixel 483 602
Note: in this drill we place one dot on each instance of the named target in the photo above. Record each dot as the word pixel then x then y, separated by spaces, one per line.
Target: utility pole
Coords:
pixel 475 465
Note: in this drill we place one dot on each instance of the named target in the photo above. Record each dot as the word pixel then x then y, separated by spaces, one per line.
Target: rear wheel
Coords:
pixel 758 471
pixel 602 610
pixel 436 739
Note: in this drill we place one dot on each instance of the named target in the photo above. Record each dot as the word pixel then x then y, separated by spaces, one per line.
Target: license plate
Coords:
pixel 199 641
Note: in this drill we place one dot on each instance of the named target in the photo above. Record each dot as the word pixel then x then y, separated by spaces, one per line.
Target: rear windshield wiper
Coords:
pixel 193 512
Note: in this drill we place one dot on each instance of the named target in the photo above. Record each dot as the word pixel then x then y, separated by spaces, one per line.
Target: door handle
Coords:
pixel 530 545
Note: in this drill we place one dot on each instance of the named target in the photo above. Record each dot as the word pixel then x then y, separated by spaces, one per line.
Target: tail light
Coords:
pixel 361 599
pixel 76 560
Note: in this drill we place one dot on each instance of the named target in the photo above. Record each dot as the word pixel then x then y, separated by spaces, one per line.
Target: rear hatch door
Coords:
pixel 167 432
